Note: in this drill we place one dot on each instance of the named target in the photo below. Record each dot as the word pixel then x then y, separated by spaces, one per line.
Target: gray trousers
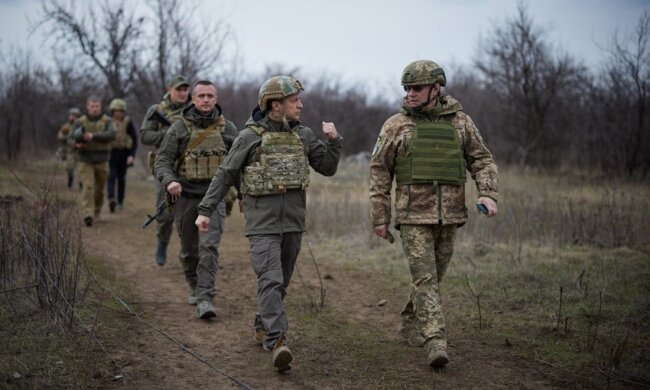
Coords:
pixel 165 221
pixel 199 251
pixel 273 257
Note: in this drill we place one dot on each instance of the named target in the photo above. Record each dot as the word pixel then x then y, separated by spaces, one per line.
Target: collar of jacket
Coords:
pixel 444 105
pixel 261 119
pixel 201 120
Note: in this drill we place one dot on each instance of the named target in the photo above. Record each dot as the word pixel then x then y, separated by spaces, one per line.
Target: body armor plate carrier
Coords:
pixel 283 165
pixel 123 139
pixel 96 126
pixel 205 151
pixel 434 156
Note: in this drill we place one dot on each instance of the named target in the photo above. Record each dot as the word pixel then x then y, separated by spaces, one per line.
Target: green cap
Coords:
pixel 177 81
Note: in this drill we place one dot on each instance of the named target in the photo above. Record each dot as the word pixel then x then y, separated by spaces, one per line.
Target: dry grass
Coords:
pixel 51 307
pixel 564 268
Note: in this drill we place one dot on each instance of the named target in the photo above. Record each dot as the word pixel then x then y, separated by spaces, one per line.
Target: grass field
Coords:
pixel 562 273
pixel 560 277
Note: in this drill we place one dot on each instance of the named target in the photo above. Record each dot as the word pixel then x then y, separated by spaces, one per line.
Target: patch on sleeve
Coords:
pixel 377 146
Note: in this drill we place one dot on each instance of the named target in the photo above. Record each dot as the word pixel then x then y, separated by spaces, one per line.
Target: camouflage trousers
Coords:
pixel 428 250
pixel 93 177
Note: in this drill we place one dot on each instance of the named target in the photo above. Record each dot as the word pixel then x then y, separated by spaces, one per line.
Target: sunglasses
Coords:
pixel 416 88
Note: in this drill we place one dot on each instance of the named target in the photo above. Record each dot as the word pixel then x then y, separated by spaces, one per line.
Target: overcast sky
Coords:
pixel 370 41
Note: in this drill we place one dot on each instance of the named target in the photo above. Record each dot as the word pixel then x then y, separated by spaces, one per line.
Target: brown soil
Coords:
pixel 151 360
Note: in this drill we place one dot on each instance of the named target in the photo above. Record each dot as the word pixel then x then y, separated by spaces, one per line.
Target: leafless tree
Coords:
pixel 526 77
pixel 627 83
pixel 107 34
pixel 24 88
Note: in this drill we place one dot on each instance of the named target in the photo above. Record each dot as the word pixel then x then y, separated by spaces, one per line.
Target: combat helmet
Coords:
pixel 117 105
pixel 278 87
pixel 423 72
pixel 74 111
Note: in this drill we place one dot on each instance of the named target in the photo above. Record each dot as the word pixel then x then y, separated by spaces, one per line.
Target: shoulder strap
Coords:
pixel 199 138
pixel 258 129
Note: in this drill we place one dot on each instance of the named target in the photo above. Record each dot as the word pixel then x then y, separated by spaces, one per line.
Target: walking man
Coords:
pixel 92 136
pixel 66 150
pixel 272 156
pixel 152 132
pixel 428 147
pixel 122 153
pixel 192 150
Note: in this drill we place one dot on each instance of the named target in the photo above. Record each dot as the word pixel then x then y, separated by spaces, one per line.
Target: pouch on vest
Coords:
pixel 434 155
pixel 283 165
pixel 205 151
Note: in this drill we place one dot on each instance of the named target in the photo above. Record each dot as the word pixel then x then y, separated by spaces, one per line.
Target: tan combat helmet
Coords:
pixel 423 72
pixel 74 111
pixel 278 87
pixel 117 105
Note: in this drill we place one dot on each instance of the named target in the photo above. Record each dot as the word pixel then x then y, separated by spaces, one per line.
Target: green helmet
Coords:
pixel 423 72
pixel 74 111
pixel 117 105
pixel 278 87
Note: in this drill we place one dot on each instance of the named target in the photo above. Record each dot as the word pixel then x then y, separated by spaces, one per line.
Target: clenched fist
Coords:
pixel 329 130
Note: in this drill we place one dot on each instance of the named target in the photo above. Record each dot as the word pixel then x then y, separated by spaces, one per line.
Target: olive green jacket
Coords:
pixel 277 213
pixel 104 136
pixel 152 132
pixel 175 143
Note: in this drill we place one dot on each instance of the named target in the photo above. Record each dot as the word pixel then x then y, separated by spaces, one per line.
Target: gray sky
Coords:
pixel 370 41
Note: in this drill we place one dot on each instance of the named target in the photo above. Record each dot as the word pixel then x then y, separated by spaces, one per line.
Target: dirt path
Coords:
pixel 152 361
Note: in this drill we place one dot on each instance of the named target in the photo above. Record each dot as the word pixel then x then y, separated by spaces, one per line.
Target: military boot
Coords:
pixel 260 332
pixel 161 253
pixel 437 354
pixel 193 298
pixel 205 310
pixel 282 356
pixel 111 205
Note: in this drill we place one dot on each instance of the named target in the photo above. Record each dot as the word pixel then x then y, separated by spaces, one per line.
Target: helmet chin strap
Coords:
pixel 429 100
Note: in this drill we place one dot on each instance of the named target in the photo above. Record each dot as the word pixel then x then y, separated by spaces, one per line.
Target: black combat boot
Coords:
pixel 161 253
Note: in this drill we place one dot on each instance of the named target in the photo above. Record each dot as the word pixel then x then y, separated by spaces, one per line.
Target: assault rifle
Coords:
pixel 160 118
pixel 162 207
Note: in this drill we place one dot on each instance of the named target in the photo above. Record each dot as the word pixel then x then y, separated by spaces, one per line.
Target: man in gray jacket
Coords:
pixel 271 157
pixel 191 152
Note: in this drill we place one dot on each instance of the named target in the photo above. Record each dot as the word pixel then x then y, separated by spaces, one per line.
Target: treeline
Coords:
pixel 535 105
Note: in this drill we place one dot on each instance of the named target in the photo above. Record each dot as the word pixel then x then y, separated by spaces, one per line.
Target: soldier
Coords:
pixel 66 150
pixel 189 156
pixel 427 147
pixel 272 156
pixel 152 133
pixel 92 136
pixel 122 152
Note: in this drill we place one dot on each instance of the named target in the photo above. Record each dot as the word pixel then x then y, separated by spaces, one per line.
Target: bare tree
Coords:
pixel 24 91
pixel 186 43
pixel 526 77
pixel 627 81
pixel 107 34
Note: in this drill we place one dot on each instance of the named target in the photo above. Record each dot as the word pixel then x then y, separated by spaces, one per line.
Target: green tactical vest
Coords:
pixel 122 138
pixel 95 127
pixel 434 156
pixel 205 151
pixel 283 165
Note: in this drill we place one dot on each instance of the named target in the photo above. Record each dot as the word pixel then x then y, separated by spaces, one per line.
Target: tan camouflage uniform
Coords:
pixel 427 216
